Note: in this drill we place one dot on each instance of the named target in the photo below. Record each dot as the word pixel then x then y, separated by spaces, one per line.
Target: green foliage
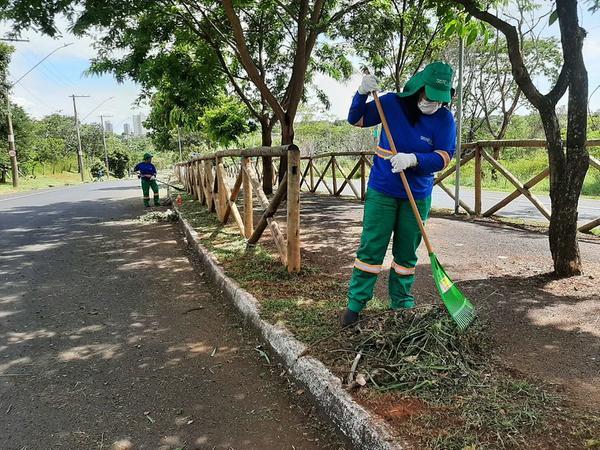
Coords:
pixel 226 122
pixel 118 161
pixel 6 52
pixel 395 38
pixel 97 169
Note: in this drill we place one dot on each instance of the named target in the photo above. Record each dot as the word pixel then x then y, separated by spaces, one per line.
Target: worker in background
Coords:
pixel 425 135
pixel 147 173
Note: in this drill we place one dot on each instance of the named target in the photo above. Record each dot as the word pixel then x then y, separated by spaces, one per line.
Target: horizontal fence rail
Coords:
pixel 207 179
pixel 324 169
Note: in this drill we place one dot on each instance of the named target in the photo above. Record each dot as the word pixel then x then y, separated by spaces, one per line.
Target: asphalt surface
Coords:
pixel 111 337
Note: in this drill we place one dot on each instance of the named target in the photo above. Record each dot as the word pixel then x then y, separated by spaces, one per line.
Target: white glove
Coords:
pixel 402 161
pixel 369 84
pixel 152 178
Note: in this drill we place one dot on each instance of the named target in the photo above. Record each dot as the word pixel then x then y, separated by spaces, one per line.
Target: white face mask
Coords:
pixel 427 107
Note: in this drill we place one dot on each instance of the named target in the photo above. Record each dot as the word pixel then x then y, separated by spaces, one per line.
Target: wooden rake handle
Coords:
pixel 411 199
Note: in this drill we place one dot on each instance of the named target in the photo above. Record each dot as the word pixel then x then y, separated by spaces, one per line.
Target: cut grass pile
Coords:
pixel 463 399
pixel 457 396
pixel 159 216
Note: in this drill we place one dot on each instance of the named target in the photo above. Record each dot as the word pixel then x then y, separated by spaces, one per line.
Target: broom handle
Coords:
pixel 411 199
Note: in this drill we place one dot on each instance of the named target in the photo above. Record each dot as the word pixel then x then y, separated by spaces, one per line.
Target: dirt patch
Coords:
pixel 393 408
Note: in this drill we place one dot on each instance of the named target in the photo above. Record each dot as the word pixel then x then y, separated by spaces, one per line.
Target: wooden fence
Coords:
pixel 207 179
pixel 334 179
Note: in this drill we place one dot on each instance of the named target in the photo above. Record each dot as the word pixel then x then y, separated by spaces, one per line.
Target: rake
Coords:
pixel 458 305
pixel 174 187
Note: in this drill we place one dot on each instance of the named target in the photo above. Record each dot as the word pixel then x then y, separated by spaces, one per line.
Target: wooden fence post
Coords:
pixel 478 181
pixel 248 202
pixel 333 175
pixel 194 168
pixel 293 209
pixel 221 195
pixel 312 174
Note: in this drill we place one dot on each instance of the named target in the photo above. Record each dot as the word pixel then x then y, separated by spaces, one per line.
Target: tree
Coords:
pixel 491 95
pixel 226 122
pixel 568 159
pixel 396 37
pixel 118 161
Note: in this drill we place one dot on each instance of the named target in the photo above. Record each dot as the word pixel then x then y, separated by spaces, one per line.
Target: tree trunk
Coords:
pixel 287 137
pixel 567 171
pixel 267 161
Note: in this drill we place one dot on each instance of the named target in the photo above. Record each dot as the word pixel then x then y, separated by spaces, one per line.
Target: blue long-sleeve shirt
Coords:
pixel 432 139
pixel 146 169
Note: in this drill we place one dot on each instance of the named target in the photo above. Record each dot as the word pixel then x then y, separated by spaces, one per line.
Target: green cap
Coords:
pixel 147 155
pixel 437 80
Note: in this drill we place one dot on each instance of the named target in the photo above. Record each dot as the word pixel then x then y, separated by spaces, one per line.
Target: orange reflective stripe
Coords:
pixel 366 267
pixel 383 152
pixel 401 270
pixel 445 156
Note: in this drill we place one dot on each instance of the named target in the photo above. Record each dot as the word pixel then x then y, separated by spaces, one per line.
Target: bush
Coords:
pixel 97 169
pixel 118 161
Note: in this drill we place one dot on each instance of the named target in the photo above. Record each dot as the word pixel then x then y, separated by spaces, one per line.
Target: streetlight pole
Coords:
pixel 104 143
pixel 79 150
pixel 12 151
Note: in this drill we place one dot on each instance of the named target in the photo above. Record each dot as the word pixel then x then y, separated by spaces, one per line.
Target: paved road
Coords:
pixel 519 208
pixel 110 338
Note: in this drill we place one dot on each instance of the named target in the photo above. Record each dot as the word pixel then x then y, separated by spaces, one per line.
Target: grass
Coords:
pixel 467 400
pixel 28 183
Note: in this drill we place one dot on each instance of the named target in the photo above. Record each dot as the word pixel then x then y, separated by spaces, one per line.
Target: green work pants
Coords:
pixel 146 185
pixel 384 216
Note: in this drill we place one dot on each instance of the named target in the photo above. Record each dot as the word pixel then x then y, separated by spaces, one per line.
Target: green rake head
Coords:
pixel 458 305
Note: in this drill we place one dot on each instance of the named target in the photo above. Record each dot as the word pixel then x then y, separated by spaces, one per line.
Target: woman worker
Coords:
pixel 425 135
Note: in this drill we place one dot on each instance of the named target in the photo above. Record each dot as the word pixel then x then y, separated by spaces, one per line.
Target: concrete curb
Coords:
pixel 363 429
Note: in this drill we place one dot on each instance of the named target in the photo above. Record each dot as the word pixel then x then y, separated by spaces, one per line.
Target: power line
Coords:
pixel 99 105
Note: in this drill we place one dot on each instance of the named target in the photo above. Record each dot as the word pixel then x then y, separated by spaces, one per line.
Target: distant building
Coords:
pixel 138 127
pixel 108 126
pixel 126 129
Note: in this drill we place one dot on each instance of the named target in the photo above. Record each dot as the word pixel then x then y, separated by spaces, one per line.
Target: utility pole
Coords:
pixel 12 150
pixel 79 150
pixel 104 143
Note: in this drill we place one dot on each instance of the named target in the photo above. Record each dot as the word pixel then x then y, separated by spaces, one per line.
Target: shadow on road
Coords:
pixel 107 334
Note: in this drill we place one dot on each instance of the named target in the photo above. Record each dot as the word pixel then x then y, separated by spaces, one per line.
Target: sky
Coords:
pixel 46 89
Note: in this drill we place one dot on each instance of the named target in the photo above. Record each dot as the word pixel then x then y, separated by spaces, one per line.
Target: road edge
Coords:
pixel 362 429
